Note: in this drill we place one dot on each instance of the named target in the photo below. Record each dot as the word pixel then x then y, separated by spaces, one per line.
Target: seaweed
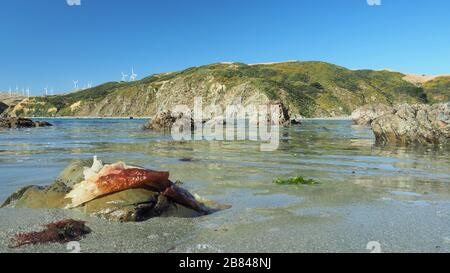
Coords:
pixel 58 232
pixel 298 180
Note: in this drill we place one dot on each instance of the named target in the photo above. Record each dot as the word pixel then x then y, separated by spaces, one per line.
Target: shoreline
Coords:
pixel 140 118
pixel 69 117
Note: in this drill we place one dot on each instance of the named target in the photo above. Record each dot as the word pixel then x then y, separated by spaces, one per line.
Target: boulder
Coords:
pixel 414 124
pixel 13 123
pixel 163 121
pixel 365 115
pixel 132 205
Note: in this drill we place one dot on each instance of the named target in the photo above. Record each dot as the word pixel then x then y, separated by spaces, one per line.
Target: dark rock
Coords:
pixel 414 124
pixel 3 107
pixel 13 123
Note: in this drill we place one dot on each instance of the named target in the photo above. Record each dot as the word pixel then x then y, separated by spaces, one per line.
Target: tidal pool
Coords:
pixel 396 196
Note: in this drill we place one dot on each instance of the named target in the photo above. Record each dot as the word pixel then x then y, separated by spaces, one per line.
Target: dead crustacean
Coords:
pixel 101 180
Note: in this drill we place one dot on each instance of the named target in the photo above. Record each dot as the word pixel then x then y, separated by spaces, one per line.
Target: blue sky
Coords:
pixel 49 42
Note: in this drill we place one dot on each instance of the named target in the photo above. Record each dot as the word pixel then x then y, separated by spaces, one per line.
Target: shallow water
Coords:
pixel 397 196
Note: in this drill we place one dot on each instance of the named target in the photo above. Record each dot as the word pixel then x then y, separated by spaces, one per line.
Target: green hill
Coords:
pixel 312 89
pixel 438 89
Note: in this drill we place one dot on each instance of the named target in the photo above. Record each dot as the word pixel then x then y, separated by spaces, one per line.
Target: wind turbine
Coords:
pixel 124 77
pixel 89 85
pixel 133 75
pixel 28 91
pixel 75 84
pixel 46 90
pixel 17 90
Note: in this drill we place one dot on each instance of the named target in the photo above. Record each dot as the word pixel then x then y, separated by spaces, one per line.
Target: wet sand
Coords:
pixel 338 229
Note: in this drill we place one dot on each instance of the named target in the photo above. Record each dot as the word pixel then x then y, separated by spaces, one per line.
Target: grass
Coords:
pixel 298 180
pixel 438 89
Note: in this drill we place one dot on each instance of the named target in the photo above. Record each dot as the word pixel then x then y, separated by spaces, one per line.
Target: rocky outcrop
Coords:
pixel 131 205
pixel 14 123
pixel 414 124
pixel 163 121
pixel 277 114
pixel 3 107
pixel 365 115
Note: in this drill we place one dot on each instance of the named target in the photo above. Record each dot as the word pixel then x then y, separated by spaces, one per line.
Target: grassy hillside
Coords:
pixel 306 88
pixel 438 89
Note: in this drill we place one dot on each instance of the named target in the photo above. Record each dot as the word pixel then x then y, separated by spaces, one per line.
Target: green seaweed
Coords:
pixel 298 180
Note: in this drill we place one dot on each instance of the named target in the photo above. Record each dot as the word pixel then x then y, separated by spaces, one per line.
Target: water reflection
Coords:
pixel 343 157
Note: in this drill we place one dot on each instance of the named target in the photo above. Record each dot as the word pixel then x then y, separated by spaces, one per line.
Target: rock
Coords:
pixel 366 114
pixel 13 122
pixel 3 107
pixel 163 121
pixel 414 124
pixel 70 176
pixel 297 120
pixel 41 197
pixel 282 116
pixel 131 205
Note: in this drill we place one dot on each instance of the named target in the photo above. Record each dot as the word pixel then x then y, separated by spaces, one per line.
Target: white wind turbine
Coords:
pixel 17 90
pixel 124 77
pixel 89 85
pixel 28 91
pixel 75 85
pixel 46 90
pixel 133 75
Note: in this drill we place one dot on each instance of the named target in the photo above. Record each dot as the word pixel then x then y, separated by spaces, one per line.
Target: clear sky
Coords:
pixel 49 42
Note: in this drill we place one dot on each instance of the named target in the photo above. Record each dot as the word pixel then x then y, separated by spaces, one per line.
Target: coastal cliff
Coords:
pixel 309 89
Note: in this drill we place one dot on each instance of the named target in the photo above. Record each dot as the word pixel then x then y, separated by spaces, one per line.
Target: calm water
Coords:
pixel 366 191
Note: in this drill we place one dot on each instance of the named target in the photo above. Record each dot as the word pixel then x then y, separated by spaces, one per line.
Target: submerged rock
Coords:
pixel 127 205
pixel 13 123
pixel 414 124
pixel 365 115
